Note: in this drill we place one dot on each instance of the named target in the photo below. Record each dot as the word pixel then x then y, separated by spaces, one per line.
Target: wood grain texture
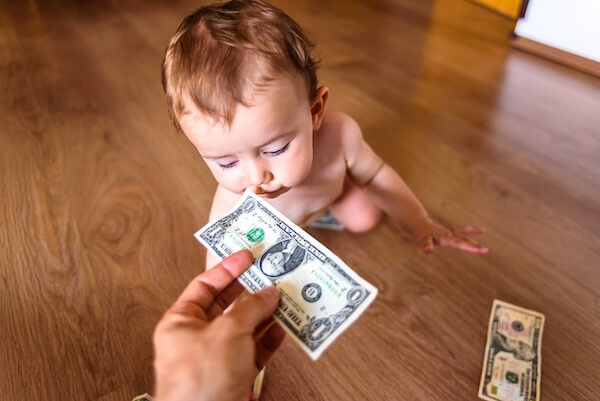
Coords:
pixel 100 198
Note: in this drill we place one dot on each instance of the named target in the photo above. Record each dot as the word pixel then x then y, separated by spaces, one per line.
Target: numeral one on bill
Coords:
pixel 512 363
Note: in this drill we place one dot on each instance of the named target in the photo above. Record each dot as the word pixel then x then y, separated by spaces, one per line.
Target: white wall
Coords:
pixel 569 25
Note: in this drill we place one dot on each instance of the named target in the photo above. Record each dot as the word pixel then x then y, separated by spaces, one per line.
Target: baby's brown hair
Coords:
pixel 210 58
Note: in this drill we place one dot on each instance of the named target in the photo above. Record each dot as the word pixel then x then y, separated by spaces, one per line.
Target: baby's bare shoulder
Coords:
pixel 340 123
pixel 345 130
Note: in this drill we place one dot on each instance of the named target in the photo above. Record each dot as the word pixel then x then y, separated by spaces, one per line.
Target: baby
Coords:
pixel 241 84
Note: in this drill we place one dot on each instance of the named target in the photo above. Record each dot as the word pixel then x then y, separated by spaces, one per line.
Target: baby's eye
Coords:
pixel 278 151
pixel 228 165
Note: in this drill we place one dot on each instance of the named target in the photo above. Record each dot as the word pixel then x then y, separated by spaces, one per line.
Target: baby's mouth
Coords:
pixel 270 194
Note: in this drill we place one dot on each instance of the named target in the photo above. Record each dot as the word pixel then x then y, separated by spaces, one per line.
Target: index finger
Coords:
pixel 205 287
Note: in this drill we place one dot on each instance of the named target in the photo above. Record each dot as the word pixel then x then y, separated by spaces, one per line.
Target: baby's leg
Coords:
pixel 355 210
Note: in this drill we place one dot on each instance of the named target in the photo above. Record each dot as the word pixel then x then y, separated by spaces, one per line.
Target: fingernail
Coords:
pixel 272 291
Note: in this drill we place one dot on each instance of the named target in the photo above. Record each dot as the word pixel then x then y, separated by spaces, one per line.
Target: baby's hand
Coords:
pixel 430 234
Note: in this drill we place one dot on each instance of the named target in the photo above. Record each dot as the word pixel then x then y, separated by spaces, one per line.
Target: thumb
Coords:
pixel 253 309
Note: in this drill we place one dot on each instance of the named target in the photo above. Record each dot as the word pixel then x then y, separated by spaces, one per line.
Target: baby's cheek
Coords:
pixel 305 164
pixel 228 180
pixel 235 183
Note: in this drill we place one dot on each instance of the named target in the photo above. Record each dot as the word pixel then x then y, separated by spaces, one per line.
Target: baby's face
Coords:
pixel 269 145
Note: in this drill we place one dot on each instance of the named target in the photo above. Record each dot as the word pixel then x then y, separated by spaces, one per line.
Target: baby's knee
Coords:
pixel 364 221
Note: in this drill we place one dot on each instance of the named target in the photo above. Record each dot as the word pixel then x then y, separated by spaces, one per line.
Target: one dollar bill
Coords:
pixel 512 363
pixel 320 295
pixel 143 397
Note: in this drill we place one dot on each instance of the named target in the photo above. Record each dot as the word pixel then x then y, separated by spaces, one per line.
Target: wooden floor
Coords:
pixel 100 198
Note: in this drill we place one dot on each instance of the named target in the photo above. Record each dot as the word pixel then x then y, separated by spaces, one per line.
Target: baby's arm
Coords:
pixel 223 201
pixel 389 191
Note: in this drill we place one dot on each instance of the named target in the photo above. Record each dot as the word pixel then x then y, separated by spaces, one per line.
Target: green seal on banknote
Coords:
pixel 257 234
pixel 512 377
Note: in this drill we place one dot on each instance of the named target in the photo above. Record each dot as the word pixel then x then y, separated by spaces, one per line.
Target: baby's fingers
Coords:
pixel 464 244
pixel 465 230
pixel 428 244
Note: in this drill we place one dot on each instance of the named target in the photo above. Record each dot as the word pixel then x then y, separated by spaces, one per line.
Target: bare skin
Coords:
pixel 304 161
pixel 211 343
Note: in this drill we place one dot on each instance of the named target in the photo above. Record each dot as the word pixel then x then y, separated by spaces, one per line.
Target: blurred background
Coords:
pixel 490 110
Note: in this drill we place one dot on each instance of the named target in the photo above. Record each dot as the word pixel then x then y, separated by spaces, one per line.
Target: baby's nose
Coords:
pixel 258 174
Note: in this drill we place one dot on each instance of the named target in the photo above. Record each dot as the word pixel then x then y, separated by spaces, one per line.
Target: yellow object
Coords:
pixel 512 8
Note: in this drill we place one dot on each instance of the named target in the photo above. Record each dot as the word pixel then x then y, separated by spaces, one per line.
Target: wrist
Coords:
pixel 417 222
pixel 178 384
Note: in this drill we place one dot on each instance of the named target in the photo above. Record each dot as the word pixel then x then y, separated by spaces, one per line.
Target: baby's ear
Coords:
pixel 317 108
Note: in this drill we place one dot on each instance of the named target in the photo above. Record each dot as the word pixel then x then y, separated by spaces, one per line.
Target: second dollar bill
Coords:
pixel 512 364
pixel 320 295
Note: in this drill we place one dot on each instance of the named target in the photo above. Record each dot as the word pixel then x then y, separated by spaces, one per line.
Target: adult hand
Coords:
pixel 207 351
pixel 430 235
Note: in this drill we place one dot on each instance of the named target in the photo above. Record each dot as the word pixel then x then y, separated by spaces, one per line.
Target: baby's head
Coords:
pixel 241 84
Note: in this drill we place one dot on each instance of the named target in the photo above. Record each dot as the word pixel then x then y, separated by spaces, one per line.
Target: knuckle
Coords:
pixel 229 323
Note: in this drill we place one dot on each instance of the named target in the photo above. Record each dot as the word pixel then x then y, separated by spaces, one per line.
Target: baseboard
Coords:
pixel 583 64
